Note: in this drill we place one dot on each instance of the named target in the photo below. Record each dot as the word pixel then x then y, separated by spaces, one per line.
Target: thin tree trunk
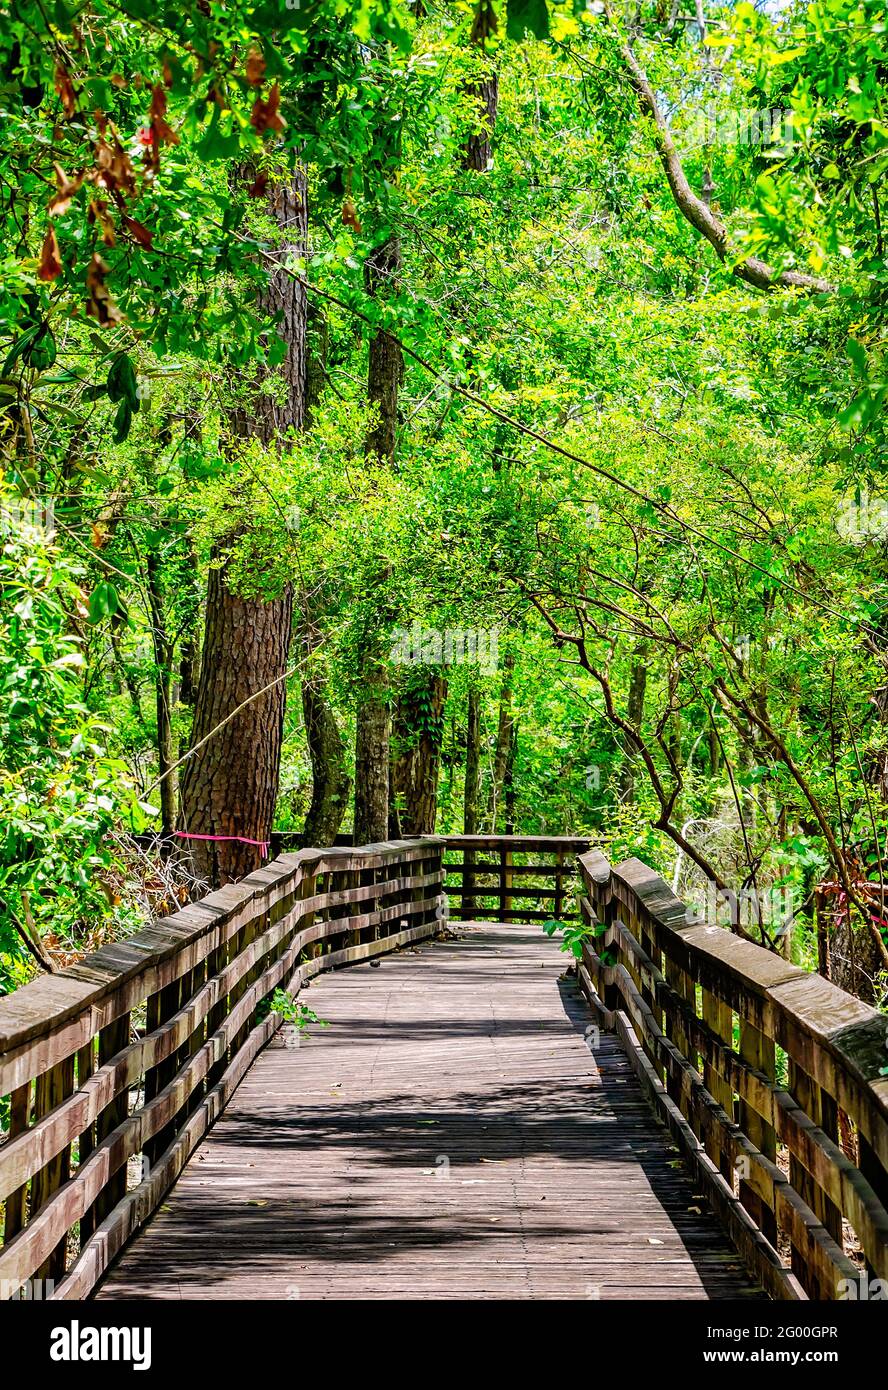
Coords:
pixel 485 90
pixel 503 738
pixel 472 792
pixel 635 715
pixel 330 780
pixel 164 657
pixel 373 733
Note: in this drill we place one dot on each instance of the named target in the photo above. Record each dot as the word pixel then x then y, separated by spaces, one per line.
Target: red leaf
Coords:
pixel 138 232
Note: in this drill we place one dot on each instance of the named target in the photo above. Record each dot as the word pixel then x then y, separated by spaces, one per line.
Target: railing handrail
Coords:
pixel 86 1078
pixel 672 990
pixel 43 1005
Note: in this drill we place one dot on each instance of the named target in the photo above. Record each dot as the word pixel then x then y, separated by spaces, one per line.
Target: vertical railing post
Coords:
pixel 51 1088
pixel 757 1050
pixel 17 1201
pixel 719 1019
pixel 112 1039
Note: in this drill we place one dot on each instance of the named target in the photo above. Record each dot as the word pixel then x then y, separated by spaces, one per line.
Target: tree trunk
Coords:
pixel 230 786
pixel 373 734
pixel 330 781
pixel 372 756
pixel 472 793
pixel 164 657
pixel 417 732
pixel 503 739
pixel 635 715
pixel 230 783
pixel 485 91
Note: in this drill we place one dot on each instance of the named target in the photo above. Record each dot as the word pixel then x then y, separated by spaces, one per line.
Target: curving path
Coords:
pixel 450 1135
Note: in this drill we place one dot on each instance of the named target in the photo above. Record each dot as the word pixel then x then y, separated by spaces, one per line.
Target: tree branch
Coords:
pixel 695 210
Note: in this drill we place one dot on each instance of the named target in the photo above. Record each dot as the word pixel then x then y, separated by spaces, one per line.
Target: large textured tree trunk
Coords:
pixel 230 783
pixel 373 734
pixel 417 732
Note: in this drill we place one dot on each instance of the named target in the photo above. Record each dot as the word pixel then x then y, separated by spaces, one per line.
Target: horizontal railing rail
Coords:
pixel 116 1066
pixel 513 878
pixel 773 1081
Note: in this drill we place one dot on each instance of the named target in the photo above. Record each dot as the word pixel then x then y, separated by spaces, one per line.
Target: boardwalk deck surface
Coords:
pixel 449 1135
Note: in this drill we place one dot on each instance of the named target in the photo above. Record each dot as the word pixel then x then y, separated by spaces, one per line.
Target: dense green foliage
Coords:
pixel 652 484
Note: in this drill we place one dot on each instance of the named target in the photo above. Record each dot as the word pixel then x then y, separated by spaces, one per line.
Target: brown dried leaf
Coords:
pixel 65 90
pixel 99 304
pixel 50 258
pixel 163 132
pixel 61 200
pixel 266 114
pixel 115 168
pixel 98 212
pixel 350 215
pixel 255 70
pixel 138 232
pixel 259 187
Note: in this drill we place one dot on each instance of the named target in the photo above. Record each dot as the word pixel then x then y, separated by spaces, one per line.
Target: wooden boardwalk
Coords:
pixel 450 1135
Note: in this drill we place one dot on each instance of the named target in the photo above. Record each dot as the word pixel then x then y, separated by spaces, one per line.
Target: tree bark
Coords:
pixel 472 793
pixel 164 657
pixel 417 732
pixel 330 780
pixel 485 91
pixel 373 733
pixel 503 739
pixel 230 783
pixel 230 786
pixel 634 716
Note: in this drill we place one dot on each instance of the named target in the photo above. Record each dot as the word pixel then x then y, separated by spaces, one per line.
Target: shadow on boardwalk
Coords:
pixel 450 1135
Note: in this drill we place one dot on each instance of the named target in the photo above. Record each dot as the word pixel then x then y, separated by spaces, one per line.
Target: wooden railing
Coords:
pixel 513 878
pixel 117 1066
pixel 773 1081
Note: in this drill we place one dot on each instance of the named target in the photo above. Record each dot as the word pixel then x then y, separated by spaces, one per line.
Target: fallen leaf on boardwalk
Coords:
pixel 695 1210
pixel 255 1202
pixel 652 1240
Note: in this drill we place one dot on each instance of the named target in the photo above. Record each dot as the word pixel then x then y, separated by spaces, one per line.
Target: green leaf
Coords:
pixel 123 421
pixel 527 16
pixel 104 601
